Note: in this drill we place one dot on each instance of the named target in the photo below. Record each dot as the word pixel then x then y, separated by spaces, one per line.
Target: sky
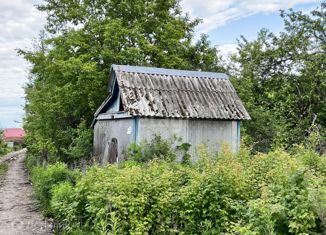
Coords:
pixel 223 20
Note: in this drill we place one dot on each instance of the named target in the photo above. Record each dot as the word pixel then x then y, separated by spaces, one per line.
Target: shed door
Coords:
pixel 113 151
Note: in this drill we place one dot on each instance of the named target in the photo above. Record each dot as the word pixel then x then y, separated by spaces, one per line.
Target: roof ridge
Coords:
pixel 154 89
pixel 169 72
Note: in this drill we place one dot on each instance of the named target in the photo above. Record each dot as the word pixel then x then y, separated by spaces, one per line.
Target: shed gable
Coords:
pixel 167 93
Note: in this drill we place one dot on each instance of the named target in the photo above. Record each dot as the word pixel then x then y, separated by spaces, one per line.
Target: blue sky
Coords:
pixel 249 26
pixel 223 20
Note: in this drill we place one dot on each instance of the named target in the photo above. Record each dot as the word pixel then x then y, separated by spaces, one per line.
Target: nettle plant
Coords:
pixel 159 148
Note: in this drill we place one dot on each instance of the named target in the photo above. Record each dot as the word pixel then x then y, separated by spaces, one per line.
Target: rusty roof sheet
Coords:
pixel 168 93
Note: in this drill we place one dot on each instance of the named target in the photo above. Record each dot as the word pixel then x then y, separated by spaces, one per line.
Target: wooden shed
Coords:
pixel 200 107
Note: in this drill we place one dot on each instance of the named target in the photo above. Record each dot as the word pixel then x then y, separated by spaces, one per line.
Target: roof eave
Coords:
pixel 110 90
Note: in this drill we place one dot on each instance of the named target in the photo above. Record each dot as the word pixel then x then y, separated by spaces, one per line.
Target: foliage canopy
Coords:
pixel 282 80
pixel 72 59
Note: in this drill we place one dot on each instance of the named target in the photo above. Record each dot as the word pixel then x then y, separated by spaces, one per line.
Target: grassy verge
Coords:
pixel 3 168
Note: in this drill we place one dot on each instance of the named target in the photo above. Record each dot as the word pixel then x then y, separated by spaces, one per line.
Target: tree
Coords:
pixel 71 62
pixel 282 80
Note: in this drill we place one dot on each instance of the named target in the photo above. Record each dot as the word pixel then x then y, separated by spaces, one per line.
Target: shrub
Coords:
pixel 31 162
pixel 81 145
pixel 122 200
pixel 45 179
pixel 4 149
pixel 274 193
pixel 3 168
pixel 159 149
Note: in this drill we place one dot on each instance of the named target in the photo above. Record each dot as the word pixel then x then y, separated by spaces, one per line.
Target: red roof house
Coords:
pixel 13 135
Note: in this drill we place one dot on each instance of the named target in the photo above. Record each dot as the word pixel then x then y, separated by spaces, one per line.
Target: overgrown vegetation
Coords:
pixel 159 148
pixel 274 193
pixel 282 80
pixel 45 179
pixel 3 168
pixel 71 61
pixel 3 146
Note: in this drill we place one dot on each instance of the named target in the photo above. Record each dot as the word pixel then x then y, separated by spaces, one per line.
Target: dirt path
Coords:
pixel 18 214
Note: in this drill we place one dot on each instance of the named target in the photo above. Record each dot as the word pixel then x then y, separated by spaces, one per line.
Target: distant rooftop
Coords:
pixel 10 134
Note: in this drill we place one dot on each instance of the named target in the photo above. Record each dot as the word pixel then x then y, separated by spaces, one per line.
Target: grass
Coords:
pixel 4 152
pixel 3 168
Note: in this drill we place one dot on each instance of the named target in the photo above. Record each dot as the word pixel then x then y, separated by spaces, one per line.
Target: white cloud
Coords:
pixel 11 116
pixel 20 22
pixel 227 49
pixel 216 13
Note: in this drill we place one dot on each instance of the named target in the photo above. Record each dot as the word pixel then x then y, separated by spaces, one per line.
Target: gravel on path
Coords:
pixel 19 214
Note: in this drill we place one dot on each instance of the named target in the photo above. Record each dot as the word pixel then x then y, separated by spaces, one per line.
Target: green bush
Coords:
pixel 4 149
pixel 81 145
pixel 159 148
pixel 45 179
pixel 3 168
pixel 31 162
pixel 133 199
pixel 274 193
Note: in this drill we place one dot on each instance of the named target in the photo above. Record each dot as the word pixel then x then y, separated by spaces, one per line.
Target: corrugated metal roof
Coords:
pixel 168 72
pixel 154 92
pixel 169 93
